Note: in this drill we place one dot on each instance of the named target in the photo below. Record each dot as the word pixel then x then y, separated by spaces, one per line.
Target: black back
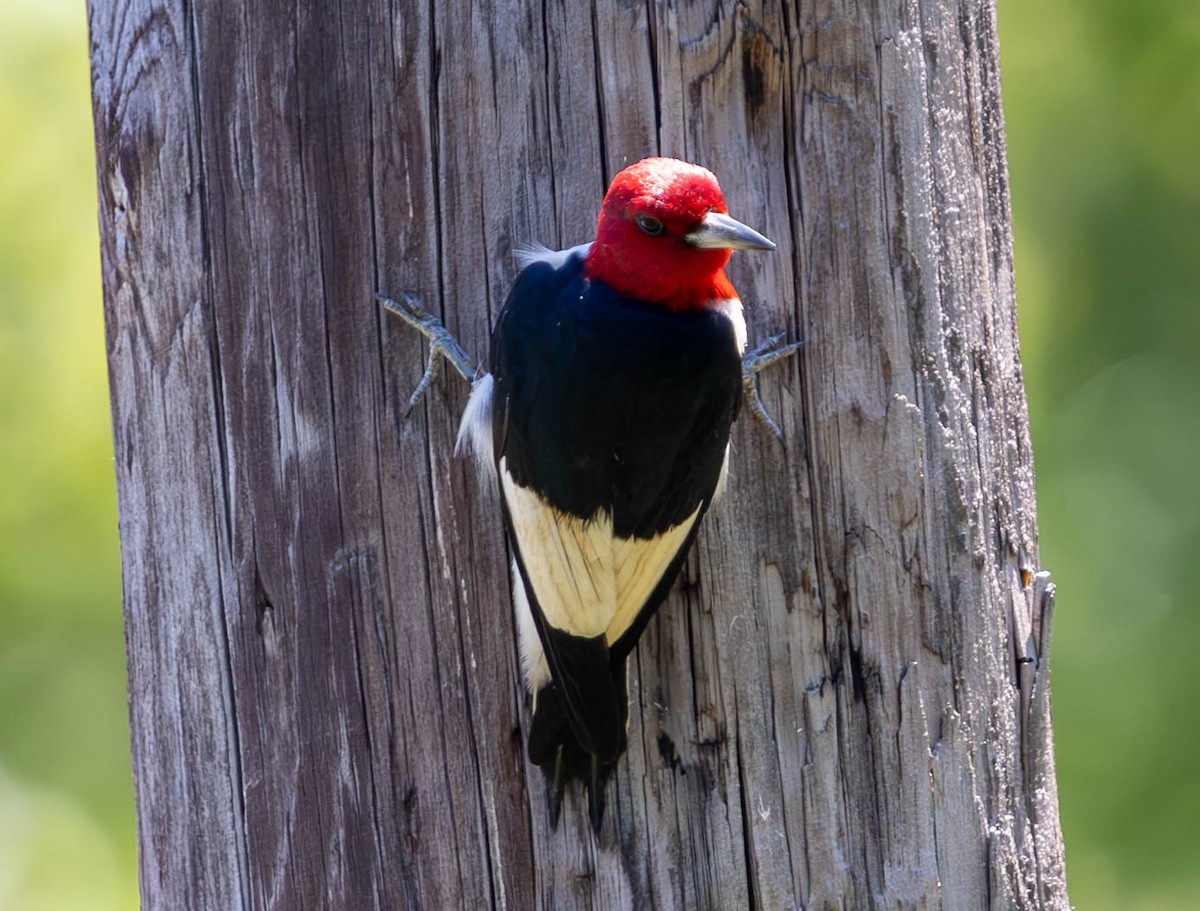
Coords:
pixel 603 402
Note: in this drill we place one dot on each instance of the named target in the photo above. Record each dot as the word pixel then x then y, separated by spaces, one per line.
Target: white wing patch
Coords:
pixel 568 561
pixel 536 253
pixel 587 582
pixel 640 564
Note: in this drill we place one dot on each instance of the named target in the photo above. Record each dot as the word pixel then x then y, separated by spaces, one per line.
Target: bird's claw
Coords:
pixel 442 345
pixel 766 354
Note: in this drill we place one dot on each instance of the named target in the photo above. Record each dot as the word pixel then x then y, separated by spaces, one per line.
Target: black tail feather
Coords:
pixel 557 783
pixel 554 747
pixel 595 790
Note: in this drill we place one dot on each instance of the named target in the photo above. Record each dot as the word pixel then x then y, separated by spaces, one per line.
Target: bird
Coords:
pixel 616 371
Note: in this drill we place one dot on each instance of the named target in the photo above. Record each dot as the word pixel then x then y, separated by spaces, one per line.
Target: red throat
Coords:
pixel 683 280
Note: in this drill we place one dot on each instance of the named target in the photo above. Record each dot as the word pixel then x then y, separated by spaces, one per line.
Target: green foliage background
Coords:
pixel 1103 106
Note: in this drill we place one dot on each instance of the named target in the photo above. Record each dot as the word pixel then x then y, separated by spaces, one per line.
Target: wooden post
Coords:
pixel 843 705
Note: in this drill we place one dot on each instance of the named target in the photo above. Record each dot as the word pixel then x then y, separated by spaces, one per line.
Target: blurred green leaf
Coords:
pixel 1102 101
pixel 66 812
pixel 1103 110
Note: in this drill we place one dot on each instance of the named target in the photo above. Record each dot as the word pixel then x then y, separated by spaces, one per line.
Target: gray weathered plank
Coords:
pixel 844 703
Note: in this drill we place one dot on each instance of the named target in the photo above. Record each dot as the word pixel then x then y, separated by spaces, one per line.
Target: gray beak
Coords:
pixel 720 232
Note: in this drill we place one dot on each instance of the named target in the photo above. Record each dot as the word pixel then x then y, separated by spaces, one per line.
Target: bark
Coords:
pixel 844 703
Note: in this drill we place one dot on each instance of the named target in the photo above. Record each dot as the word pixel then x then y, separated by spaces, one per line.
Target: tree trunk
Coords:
pixel 843 704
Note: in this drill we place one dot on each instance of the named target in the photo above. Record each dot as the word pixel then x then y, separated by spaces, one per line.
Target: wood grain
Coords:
pixel 844 704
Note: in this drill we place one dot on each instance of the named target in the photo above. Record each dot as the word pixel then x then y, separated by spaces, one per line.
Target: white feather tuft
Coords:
pixel 529 254
pixel 533 658
pixel 732 308
pixel 723 477
pixel 475 430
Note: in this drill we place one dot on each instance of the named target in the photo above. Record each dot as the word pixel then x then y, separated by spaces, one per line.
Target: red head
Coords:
pixel 664 235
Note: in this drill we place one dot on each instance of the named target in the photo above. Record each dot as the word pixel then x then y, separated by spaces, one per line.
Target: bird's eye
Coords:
pixel 649 225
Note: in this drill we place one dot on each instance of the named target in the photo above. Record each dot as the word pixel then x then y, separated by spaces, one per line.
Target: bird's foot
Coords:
pixel 442 345
pixel 766 354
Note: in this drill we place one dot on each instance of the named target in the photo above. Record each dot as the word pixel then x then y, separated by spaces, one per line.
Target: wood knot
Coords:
pixel 760 69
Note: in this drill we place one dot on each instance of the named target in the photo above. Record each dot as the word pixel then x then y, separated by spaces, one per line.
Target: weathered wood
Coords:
pixel 843 705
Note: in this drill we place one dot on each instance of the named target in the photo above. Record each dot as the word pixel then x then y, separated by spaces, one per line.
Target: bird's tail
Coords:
pixel 554 747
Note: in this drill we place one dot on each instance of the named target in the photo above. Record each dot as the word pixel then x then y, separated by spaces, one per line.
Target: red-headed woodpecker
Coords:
pixel 617 369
